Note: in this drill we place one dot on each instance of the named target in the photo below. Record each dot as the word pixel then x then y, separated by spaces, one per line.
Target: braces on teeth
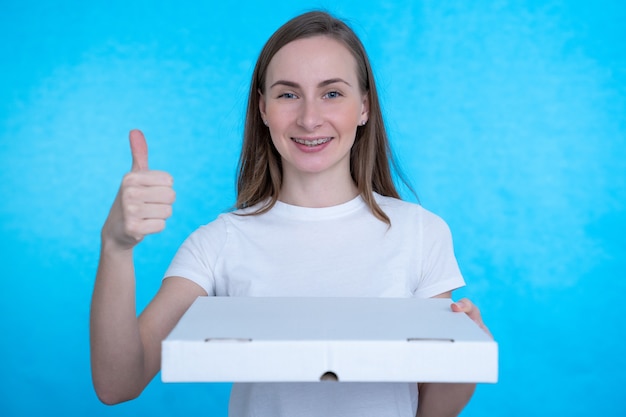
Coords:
pixel 311 142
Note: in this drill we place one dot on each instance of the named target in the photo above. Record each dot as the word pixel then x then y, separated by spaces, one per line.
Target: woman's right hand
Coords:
pixel 143 203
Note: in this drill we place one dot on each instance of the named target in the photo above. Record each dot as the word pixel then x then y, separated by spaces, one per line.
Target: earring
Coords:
pixel 363 122
pixel 265 122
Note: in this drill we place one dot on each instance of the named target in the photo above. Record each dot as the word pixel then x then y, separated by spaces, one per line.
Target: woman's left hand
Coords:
pixel 464 305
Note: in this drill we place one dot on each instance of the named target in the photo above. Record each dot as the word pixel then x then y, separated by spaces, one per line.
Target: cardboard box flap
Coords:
pixel 261 318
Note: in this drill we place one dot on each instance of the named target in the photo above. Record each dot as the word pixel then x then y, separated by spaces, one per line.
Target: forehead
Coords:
pixel 312 59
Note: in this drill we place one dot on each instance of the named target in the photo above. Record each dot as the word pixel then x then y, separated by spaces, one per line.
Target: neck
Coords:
pixel 312 191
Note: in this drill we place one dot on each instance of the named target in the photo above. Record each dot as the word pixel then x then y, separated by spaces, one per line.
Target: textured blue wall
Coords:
pixel 509 118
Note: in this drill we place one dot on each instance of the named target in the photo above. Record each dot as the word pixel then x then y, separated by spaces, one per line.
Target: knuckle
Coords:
pixel 129 179
pixel 132 229
pixel 131 209
pixel 129 194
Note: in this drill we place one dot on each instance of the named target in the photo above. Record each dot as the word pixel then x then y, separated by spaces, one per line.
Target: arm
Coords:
pixel 448 400
pixel 125 350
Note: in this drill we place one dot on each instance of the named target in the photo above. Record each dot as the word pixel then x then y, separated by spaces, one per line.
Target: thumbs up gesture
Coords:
pixel 143 203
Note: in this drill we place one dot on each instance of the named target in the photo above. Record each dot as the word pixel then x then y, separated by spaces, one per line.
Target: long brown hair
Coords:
pixel 260 170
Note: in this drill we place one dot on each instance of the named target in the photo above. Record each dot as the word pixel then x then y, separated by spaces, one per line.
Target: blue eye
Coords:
pixel 333 94
pixel 287 95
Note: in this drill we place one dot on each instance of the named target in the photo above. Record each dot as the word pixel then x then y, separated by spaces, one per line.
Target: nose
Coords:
pixel 310 115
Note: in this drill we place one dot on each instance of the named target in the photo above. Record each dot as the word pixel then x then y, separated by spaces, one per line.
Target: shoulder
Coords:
pixel 395 203
pixel 405 211
pixel 225 221
pixel 229 225
pixel 396 207
pixel 210 235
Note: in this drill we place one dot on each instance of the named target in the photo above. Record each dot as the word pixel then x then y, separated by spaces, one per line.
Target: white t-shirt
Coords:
pixel 334 251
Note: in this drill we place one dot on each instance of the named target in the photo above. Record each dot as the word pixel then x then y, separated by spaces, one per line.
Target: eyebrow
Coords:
pixel 321 84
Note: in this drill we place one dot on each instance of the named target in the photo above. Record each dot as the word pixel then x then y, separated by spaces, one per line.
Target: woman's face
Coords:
pixel 312 105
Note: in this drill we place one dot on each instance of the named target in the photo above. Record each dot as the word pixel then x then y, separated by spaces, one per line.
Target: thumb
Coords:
pixel 139 150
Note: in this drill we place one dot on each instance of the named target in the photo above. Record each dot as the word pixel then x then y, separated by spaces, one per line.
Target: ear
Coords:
pixel 262 105
pixel 365 107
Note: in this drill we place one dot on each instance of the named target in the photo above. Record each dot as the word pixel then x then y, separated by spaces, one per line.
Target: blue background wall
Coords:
pixel 508 116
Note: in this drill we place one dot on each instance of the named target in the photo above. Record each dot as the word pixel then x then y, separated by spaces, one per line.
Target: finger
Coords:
pixel 464 305
pixel 138 196
pixel 153 226
pixel 139 150
pixel 140 228
pixel 160 195
pixel 151 211
pixel 147 179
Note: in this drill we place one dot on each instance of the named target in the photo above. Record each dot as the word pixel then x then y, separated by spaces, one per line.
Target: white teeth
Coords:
pixel 314 142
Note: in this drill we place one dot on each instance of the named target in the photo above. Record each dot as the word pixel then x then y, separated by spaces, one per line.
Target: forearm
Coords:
pixel 443 400
pixel 117 358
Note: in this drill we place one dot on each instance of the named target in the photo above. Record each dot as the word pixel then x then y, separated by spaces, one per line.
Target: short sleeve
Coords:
pixel 439 268
pixel 198 256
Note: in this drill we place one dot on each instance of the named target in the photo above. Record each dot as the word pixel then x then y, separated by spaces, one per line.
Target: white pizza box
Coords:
pixel 259 339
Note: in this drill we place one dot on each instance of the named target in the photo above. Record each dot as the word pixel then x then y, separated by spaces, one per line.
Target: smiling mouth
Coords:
pixel 314 142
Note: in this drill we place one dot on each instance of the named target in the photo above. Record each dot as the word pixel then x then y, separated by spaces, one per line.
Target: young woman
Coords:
pixel 317 215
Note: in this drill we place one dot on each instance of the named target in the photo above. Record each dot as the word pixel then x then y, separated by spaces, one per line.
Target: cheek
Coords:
pixel 348 119
pixel 279 141
pixel 280 117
